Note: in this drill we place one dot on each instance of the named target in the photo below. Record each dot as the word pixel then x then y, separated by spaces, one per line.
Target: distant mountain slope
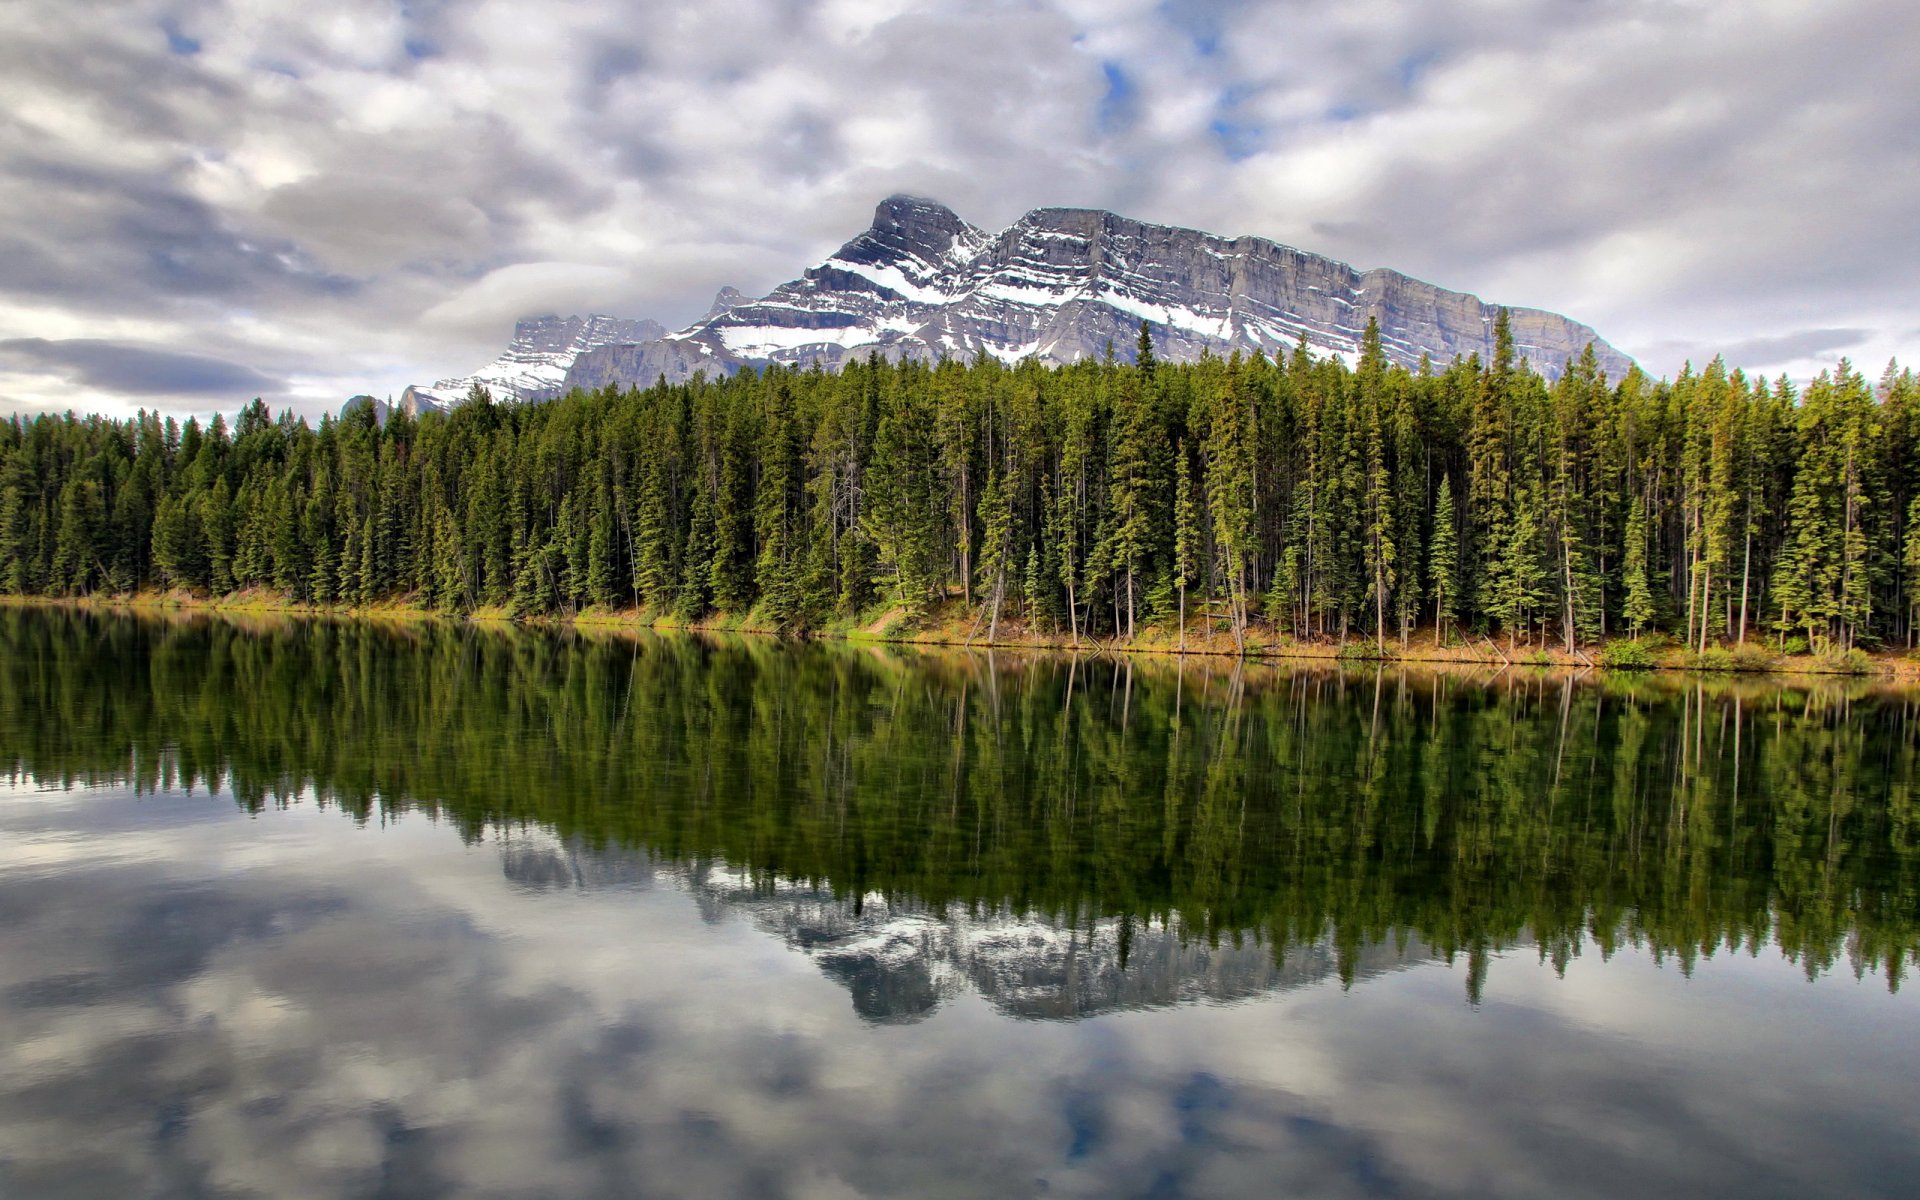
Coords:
pixel 535 365
pixel 1060 284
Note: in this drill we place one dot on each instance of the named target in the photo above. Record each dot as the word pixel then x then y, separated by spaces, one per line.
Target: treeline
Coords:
pixel 1089 500
pixel 1292 807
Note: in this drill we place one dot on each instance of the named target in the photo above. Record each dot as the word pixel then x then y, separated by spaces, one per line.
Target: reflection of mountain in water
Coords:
pixel 900 960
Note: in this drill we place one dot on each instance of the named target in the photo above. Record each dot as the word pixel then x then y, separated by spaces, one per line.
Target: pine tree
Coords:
pixel 1518 578
pixel 1033 589
pixel 452 588
pixel 1637 610
pixel 996 548
pixel 693 599
pixel 1186 533
pixel 600 549
pixel 368 587
pixel 1443 561
pixel 1231 494
pixel 216 521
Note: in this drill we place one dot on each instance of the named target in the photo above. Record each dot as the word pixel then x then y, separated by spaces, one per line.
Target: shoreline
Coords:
pixel 886 629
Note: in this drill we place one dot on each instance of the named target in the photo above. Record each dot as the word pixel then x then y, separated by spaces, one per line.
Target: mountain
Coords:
pixel 535 366
pixel 900 960
pixel 1061 283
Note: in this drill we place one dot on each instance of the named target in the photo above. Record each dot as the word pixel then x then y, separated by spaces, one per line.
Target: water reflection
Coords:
pixel 900 960
pixel 1284 808
pixel 337 911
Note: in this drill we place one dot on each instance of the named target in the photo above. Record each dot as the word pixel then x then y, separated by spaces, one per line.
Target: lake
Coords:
pixel 317 909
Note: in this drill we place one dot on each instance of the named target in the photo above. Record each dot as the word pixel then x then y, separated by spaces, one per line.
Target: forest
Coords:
pixel 1309 498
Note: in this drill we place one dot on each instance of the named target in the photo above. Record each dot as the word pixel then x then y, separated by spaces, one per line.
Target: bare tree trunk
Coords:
pixel 1705 609
pixel 1566 575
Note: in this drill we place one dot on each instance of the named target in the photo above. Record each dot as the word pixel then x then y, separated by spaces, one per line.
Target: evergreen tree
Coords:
pixel 1638 609
pixel 1443 561
pixel 1186 534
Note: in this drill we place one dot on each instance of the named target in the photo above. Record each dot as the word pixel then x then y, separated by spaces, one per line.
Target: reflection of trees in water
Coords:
pixel 1285 808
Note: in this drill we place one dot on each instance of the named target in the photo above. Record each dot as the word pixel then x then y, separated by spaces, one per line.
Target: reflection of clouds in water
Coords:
pixel 380 1012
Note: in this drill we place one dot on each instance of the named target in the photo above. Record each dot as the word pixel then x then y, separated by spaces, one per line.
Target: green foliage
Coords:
pixel 1331 502
pixel 1621 655
pixel 1750 657
pixel 1714 658
pixel 1443 561
pixel 1848 662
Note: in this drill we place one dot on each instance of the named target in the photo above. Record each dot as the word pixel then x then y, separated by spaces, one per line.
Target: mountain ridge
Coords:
pixel 1061 284
pixel 534 365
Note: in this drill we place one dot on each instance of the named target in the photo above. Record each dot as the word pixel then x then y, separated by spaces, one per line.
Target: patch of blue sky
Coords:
pixel 1414 66
pixel 177 40
pixel 1199 20
pixel 1118 107
pixel 1238 140
pixel 1238 137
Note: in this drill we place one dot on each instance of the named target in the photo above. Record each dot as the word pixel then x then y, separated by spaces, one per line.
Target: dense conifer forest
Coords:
pixel 1317 499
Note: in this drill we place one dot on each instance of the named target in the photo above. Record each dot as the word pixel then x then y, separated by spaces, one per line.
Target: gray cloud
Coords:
pixel 137 370
pixel 1786 347
pixel 345 197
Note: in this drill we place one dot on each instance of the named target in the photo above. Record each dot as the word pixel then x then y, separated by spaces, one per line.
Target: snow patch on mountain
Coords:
pixel 1059 284
pixel 535 364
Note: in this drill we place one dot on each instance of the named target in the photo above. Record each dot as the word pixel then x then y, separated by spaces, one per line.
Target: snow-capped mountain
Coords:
pixel 1059 284
pixel 900 960
pixel 535 366
pixel 1062 283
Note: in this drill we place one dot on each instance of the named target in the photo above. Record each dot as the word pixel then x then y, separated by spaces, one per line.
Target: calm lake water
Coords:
pixel 341 910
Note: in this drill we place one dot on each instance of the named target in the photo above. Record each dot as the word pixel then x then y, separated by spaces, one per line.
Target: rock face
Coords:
pixel 1059 284
pixel 535 366
pixel 1062 283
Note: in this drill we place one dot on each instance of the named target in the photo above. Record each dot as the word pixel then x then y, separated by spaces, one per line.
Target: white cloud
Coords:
pixel 359 187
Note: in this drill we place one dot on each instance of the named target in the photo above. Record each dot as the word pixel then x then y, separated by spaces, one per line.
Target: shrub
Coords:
pixel 1854 662
pixel 1626 656
pixel 1793 645
pixel 1753 658
pixel 1714 659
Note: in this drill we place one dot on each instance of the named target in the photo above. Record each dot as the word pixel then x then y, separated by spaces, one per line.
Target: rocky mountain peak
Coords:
pixel 912 226
pixel 726 298
pixel 535 364
pixel 1059 284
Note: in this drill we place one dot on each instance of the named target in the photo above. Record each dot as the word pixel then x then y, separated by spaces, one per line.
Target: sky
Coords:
pixel 202 201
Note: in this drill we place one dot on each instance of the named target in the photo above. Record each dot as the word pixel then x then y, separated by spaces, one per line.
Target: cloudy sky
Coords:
pixel 205 200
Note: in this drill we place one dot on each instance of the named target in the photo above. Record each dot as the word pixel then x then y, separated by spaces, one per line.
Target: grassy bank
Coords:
pixel 956 626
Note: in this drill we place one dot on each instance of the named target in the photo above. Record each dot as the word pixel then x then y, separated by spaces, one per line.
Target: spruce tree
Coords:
pixel 1637 609
pixel 1443 561
pixel 1186 533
